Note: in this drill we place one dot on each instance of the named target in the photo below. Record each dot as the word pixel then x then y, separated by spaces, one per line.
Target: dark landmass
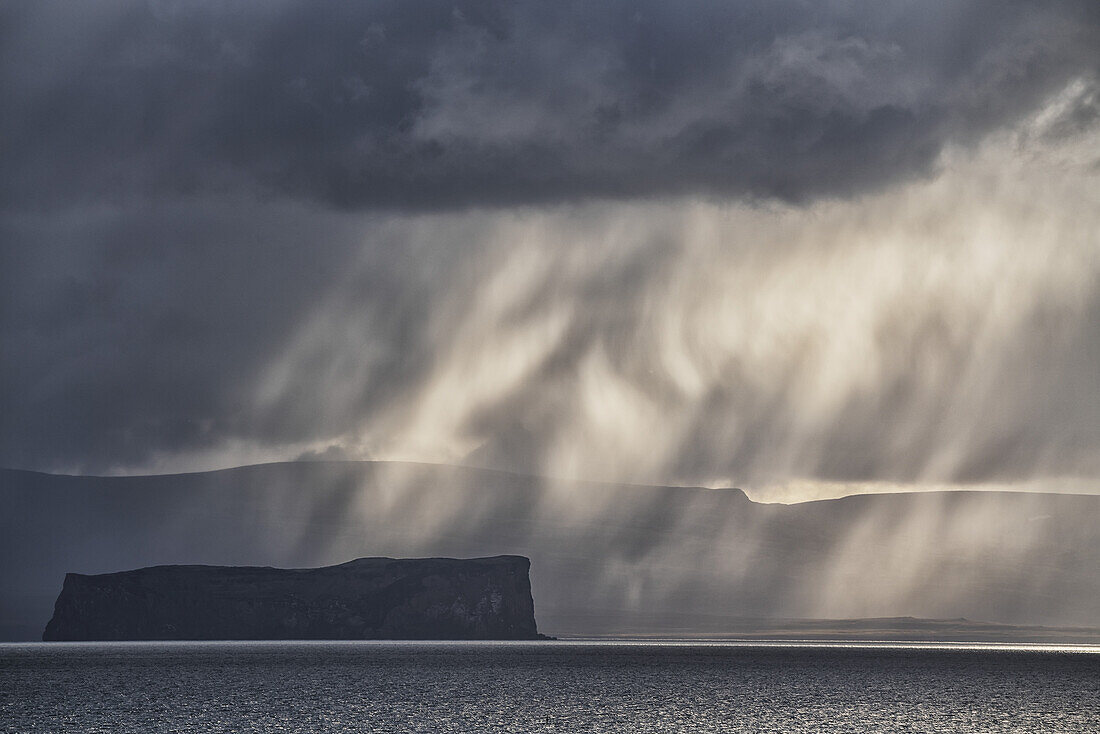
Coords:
pixel 365 599
pixel 609 559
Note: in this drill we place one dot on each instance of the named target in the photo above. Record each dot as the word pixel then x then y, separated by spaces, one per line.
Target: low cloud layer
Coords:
pixel 751 243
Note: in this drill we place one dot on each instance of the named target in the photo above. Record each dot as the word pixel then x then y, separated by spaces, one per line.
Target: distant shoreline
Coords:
pixel 671 642
pixel 884 630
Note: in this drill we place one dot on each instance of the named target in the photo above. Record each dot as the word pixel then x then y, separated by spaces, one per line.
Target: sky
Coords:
pixel 803 248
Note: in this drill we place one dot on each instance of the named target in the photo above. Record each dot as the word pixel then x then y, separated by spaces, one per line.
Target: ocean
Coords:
pixel 564 686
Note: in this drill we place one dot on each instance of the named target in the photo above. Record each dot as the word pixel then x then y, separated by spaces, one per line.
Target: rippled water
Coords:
pixel 545 687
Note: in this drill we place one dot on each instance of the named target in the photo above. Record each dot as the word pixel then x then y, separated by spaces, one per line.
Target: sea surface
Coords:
pixel 565 686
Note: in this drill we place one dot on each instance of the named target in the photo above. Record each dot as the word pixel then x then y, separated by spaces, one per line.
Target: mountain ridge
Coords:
pixel 537 477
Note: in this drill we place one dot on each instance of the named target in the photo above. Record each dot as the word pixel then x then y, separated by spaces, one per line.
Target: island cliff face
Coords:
pixel 365 599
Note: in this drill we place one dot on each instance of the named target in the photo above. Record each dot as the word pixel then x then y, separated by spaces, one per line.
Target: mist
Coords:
pixel 940 334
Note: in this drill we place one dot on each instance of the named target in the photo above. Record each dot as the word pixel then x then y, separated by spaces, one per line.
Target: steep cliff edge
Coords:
pixel 369 598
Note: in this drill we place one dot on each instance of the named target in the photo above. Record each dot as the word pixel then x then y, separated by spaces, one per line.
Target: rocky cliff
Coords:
pixel 369 598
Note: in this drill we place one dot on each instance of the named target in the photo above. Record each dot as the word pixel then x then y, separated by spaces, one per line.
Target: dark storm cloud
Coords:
pixel 177 180
pixel 446 104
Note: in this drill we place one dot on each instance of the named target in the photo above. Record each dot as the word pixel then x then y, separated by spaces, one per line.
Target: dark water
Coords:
pixel 545 687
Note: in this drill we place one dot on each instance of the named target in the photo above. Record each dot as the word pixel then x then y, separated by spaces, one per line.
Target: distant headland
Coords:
pixel 364 599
